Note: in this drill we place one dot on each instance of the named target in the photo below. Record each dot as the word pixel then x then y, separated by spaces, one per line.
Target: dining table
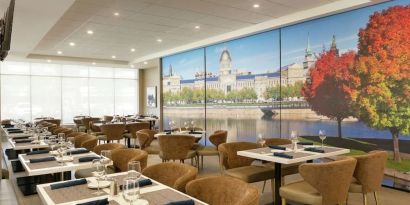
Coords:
pixel 197 134
pixel 288 155
pixel 154 192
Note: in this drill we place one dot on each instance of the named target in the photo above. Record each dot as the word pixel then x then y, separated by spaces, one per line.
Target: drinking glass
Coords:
pixel 52 142
pixel 322 136
pixel 134 170
pixel 130 190
pixel 294 139
pixel 105 159
pixel 261 140
pixel 186 125
pixel 61 137
pixel 98 173
pixel 193 125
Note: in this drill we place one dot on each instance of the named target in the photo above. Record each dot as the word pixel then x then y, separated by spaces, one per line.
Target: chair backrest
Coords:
pixel 370 170
pixel 218 138
pixel 223 190
pixel 331 179
pixel 229 157
pixel 136 126
pixel 110 146
pixel 175 175
pixel 175 147
pixel 54 121
pixel 86 141
pixel 113 131
pixel 145 137
pixel 108 118
pixel 121 157
pixel 86 121
pixel 56 130
pixel 93 127
pixel 277 141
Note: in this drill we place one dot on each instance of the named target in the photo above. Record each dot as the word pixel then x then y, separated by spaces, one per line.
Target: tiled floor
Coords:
pixel 387 196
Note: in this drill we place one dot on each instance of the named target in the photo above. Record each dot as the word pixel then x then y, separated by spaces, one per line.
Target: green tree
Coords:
pixel 187 95
pixel 272 92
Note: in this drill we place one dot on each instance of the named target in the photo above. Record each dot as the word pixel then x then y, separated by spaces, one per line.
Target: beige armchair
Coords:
pixel 369 174
pixel 53 121
pixel 223 190
pixel 174 175
pixel 112 132
pixel 86 141
pixel 324 183
pixel 216 139
pixel 133 128
pixel 145 138
pixel 110 146
pixel 177 147
pixel 121 157
pixel 86 122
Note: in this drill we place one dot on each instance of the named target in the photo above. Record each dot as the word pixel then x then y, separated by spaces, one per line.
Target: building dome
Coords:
pixel 225 56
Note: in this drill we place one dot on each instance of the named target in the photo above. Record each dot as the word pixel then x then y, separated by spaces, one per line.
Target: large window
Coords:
pixel 30 90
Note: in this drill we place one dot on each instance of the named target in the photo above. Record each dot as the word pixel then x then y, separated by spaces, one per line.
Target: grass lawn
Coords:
pixel 403 166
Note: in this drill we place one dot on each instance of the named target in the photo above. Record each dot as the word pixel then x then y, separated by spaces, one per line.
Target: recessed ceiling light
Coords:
pixel 145 62
pixel 93 63
pixel 256 6
pixel 132 66
pixel 114 57
pixel 59 52
pixel 159 40
pixel 197 27
pixel 49 61
pixel 72 44
pixel 116 14
pixel 91 32
pixel 132 49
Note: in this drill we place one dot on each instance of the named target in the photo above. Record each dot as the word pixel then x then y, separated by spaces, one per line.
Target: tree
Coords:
pixel 381 78
pixel 272 92
pixel 187 95
pixel 326 90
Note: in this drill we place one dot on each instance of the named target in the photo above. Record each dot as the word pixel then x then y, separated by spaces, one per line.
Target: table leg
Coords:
pixel 278 182
pixel 129 142
pixel 62 176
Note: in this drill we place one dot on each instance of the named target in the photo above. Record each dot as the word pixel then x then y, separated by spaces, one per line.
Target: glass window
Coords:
pixel 18 68
pixel 74 98
pixel 15 100
pixel 101 72
pixel 125 73
pixel 101 97
pixel 74 71
pixel 45 69
pixel 125 97
pixel 45 96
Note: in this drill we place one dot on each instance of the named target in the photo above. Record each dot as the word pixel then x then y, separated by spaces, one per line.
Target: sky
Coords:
pixel 260 53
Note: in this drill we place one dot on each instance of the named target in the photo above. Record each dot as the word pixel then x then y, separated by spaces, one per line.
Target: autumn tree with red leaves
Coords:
pixel 327 89
pixel 381 77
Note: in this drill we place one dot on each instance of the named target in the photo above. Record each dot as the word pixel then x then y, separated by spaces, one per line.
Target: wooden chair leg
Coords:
pixel 365 198
pixel 283 201
pixel 272 185
pixel 264 184
pixel 376 198
pixel 202 161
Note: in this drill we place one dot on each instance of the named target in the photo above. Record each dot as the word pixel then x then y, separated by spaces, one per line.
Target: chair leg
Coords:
pixel 376 198
pixel 283 201
pixel 365 198
pixel 264 184
pixel 202 161
pixel 347 198
pixel 272 185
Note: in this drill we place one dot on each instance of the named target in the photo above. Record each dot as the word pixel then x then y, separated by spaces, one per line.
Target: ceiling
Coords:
pixel 141 23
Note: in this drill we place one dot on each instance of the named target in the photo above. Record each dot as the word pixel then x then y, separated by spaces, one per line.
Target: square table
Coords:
pixel 27 145
pixel 300 155
pixel 16 135
pixel 156 193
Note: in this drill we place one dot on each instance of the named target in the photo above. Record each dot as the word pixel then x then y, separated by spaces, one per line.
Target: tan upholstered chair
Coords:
pixel 277 141
pixel 145 138
pixel 6 122
pixel 110 146
pixel 86 122
pixel 86 141
pixel 112 132
pixel 108 118
pixel 216 139
pixel 79 122
pixel 121 157
pixel 177 147
pixel 369 174
pixel 53 121
pixel 94 129
pixel 132 128
pixel 223 190
pixel 174 175
pixel 324 183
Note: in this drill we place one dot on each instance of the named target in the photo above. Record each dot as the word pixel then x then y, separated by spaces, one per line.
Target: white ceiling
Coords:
pixel 141 22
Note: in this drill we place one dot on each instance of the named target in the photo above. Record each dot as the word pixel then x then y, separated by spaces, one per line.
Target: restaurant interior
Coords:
pixel 195 102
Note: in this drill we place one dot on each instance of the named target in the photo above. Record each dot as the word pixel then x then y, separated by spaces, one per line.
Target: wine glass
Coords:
pixel 130 190
pixel 61 137
pixel 186 125
pixel 52 142
pixel 105 159
pixel 193 125
pixel 98 173
pixel 294 139
pixel 261 140
pixel 322 136
pixel 134 170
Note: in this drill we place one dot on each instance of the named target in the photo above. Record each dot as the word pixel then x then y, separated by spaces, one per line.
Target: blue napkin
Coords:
pixel 15 131
pixel 184 202
pixel 283 155
pixel 79 151
pixel 68 184
pixel 277 147
pixel 37 152
pixel 305 143
pixel 312 149
pixel 8 125
pixel 96 202
pixel 22 140
pixel 141 183
pixel 45 159
pixel 194 132
pixel 87 159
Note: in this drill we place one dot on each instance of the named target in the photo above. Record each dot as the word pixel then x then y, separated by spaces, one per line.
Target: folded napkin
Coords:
pixel 15 131
pixel 277 147
pixel 96 202
pixel 184 202
pixel 22 140
pixel 283 155
pixel 79 151
pixel 142 183
pixel 37 152
pixel 194 132
pixel 8 125
pixel 68 184
pixel 312 149
pixel 87 159
pixel 305 143
pixel 45 159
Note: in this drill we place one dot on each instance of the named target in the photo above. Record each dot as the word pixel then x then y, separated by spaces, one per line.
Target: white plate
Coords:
pixel 65 159
pixel 103 184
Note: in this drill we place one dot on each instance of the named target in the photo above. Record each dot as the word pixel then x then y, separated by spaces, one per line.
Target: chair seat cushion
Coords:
pixel 97 133
pixel 83 173
pixel 191 154
pixel 301 192
pixel 208 151
pixel 153 149
pixel 252 173
pixel 355 186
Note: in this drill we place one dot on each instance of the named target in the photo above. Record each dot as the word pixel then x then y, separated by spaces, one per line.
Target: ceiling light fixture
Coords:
pixel 91 32
pixel 145 62
pixel 72 44
pixel 116 14
pixel 49 61
pixel 197 27
pixel 93 63
pixel 256 6
pixel 132 49
pixel 132 66
pixel 59 52
pixel 159 40
pixel 114 57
